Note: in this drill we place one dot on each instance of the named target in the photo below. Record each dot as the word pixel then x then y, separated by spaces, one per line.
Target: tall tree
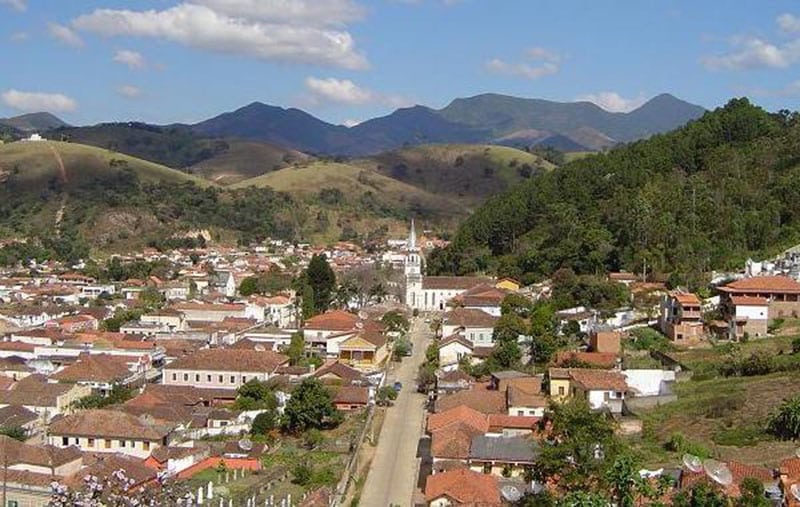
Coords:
pixel 310 406
pixel 322 280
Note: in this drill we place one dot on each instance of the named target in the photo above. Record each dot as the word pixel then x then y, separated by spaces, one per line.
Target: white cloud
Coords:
pixel 133 59
pixel 547 63
pixel 342 91
pixel 307 12
pixel 543 54
pixel 18 5
pixel 345 91
pixel 613 101
pixel 789 23
pixel 523 70
pixel 790 90
pixel 754 53
pixel 32 102
pixel 129 91
pixel 202 27
pixel 65 35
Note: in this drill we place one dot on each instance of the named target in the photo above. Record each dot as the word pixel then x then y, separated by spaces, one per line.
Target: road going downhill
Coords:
pixel 393 473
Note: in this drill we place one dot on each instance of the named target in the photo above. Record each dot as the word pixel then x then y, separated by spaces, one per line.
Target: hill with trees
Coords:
pixel 705 196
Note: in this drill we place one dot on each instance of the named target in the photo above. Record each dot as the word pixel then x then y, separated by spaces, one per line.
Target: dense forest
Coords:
pixel 703 197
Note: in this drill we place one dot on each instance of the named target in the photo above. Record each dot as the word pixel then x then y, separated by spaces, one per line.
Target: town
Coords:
pixel 286 374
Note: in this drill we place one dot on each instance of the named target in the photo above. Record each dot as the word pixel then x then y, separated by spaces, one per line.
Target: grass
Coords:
pixel 577 155
pixel 726 416
pixel 247 159
pixel 37 161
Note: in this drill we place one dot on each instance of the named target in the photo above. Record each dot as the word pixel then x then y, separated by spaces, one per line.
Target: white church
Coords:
pixel 431 293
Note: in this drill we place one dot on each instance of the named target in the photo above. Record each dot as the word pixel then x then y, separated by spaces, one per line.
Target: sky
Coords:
pixel 166 61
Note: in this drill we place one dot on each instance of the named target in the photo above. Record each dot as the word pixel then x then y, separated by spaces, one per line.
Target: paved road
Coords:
pixel 392 477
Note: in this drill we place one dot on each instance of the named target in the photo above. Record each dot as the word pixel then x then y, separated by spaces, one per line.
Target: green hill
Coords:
pixel 246 159
pixel 471 172
pixel 703 197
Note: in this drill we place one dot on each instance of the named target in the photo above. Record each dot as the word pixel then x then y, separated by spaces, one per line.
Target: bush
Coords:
pixel 784 422
pixel 775 325
pixel 302 474
pixel 680 444
pixel 646 338
pixel 264 423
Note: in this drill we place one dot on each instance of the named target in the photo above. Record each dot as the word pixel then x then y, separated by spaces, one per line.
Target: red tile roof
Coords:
pixel 241 360
pixel 599 379
pixel 478 398
pixel 686 299
pixel 768 284
pixel 749 301
pixel 515 422
pixel 469 317
pixel 460 414
pixel 463 487
pixel 598 359
pixel 334 320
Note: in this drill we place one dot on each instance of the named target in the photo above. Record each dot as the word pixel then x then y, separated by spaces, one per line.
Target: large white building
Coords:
pixel 431 293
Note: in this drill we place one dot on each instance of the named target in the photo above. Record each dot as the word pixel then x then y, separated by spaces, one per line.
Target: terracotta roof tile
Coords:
pixel 780 284
pixel 599 379
pixel 749 301
pixel 108 424
pixel 460 414
pixel 478 398
pixel 469 317
pixel 464 487
pixel 230 360
pixel 334 320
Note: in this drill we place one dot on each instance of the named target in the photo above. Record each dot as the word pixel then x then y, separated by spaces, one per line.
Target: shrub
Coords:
pixel 721 407
pixel 784 422
pixel 680 444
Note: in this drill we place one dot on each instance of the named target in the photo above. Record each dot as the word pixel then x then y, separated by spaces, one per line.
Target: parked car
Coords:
pixel 398 386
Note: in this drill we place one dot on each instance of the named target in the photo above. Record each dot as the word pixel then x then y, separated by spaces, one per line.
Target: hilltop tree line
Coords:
pixel 708 195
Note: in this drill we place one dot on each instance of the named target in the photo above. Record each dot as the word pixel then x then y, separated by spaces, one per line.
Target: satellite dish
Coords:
pixel 260 348
pixel 511 493
pixel 795 489
pixel 246 445
pixel 693 463
pixel 718 472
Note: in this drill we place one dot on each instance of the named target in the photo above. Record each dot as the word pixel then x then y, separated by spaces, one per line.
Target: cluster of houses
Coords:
pixel 181 364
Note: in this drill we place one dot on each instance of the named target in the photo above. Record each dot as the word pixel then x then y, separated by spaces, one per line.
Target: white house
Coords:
pixel 601 388
pixel 223 368
pixel 475 325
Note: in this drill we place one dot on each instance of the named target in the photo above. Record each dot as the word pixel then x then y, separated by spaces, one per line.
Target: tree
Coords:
pixel 255 395
pixel 506 354
pixel 516 304
pixel 784 422
pixel 395 322
pixel 401 348
pixel 297 349
pixel 313 438
pixel 508 328
pixel 386 394
pixel 580 448
pixel 322 280
pixel 249 286
pixel 15 432
pixel 264 423
pixel 752 494
pixel 310 406
pixel 308 306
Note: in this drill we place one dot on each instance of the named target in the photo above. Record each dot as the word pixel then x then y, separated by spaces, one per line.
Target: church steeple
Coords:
pixel 412 238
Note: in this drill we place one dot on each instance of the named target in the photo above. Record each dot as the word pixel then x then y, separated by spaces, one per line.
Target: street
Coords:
pixel 393 473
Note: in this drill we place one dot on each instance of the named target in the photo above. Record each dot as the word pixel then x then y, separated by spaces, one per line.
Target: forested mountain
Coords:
pixel 33 122
pixel 705 196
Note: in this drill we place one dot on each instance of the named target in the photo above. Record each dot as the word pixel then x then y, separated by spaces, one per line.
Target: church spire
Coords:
pixel 412 238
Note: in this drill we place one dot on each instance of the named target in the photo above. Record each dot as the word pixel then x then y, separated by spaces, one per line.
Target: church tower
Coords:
pixel 413 270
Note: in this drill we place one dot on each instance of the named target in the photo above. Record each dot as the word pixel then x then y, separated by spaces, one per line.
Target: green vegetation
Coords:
pixel 784 423
pixel 317 284
pixel 707 195
pixel 255 395
pixel 310 407
pixel 119 394
pixel 15 432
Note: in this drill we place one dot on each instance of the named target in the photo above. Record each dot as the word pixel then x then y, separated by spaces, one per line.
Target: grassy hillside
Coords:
pixel 465 171
pixel 37 162
pixel 246 159
pixel 706 196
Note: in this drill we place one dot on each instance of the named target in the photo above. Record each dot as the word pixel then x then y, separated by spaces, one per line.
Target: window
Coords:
pixel 520 412
pixel 233 379
pixel 13 503
pixel 619 394
pixel 208 378
pixel 146 445
pixel 487 468
pixel 244 379
pixel 174 376
pixel 186 377
pixel 606 395
pixel 122 443
pixel 561 390
pixel 65 441
pixel 221 379
pixel 197 377
pixel 90 442
pixel 107 444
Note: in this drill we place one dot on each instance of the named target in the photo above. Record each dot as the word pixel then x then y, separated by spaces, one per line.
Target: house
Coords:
pixel 338 373
pixel 452 349
pixel 332 322
pixel 485 297
pixel 75 323
pixel 475 325
pixel 348 397
pixel 17 416
pixel 502 456
pixel 782 292
pixel 462 487
pixel 101 372
pixel 746 316
pixel 681 318
pixel 46 399
pixel 277 310
pixel 206 312
pixel 602 389
pixel 366 350
pixel 222 368
pixel 453 381
pixel 559 382
pixel 111 431
pixel 29 471
pixel 479 398
pixel 524 401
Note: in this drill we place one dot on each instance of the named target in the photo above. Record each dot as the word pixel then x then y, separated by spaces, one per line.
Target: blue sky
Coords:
pixel 345 61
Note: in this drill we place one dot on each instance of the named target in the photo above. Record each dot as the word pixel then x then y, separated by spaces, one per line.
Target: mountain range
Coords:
pixel 485 119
